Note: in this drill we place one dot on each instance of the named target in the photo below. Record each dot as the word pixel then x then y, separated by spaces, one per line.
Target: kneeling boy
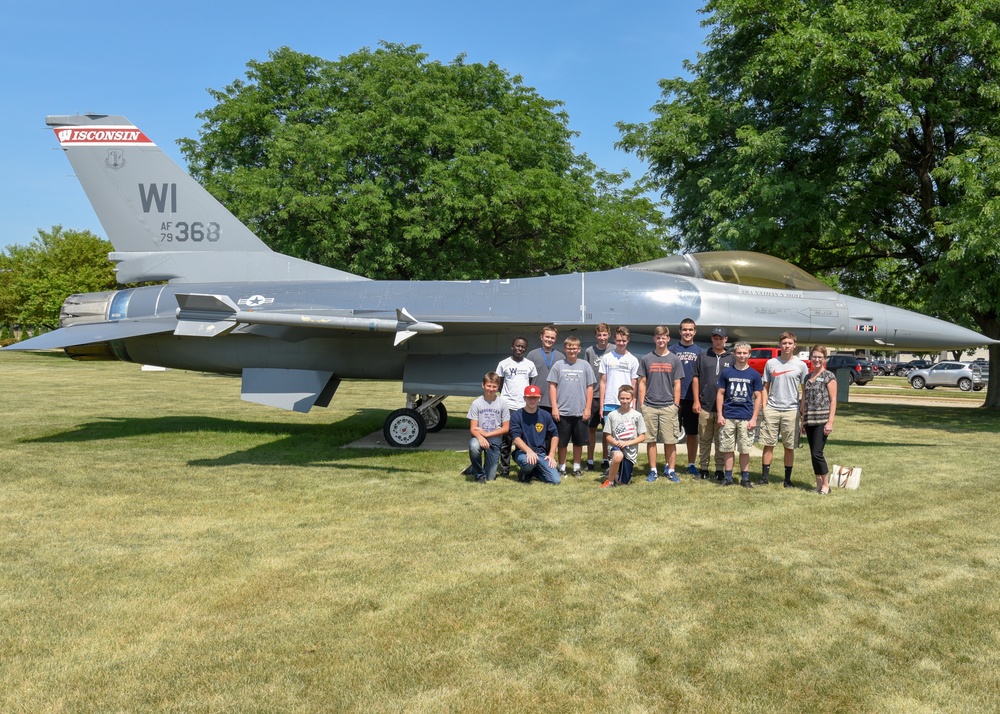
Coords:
pixel 625 429
pixel 489 420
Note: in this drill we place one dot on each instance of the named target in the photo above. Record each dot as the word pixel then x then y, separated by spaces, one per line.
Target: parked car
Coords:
pixel 859 371
pixel 884 367
pixel 963 375
pixel 904 369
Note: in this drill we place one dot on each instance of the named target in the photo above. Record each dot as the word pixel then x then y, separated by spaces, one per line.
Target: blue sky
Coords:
pixel 154 62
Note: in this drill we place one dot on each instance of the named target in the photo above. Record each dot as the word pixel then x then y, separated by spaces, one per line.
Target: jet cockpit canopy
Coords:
pixel 739 267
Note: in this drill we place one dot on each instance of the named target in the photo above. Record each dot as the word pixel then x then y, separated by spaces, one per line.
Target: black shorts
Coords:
pixel 573 428
pixel 689 420
pixel 596 417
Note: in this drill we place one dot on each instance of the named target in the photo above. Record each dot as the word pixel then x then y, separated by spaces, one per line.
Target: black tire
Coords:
pixel 405 428
pixel 965 384
pixel 978 389
pixel 850 377
pixel 436 418
pixel 931 386
pixel 861 384
pixel 917 382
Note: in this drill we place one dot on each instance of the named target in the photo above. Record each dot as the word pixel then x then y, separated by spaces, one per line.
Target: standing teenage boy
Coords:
pixel 738 404
pixel 543 358
pixel 593 355
pixel 705 387
pixel 515 373
pixel 688 352
pixel 619 367
pixel 660 377
pixel 783 377
pixel 571 391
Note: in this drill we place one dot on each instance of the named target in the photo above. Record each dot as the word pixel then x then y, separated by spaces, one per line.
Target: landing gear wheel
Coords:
pixel 404 428
pixel 436 417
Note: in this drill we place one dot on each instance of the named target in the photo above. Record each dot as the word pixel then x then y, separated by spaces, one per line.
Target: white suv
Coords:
pixel 963 375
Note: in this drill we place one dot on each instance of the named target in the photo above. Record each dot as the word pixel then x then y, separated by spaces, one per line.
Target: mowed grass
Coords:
pixel 166 547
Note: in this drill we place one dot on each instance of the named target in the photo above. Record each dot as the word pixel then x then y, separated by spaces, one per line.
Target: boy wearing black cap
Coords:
pixel 705 386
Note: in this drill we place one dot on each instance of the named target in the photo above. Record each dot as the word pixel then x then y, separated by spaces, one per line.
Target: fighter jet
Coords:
pixel 293 330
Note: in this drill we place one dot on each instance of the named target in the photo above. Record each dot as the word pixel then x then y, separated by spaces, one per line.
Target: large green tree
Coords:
pixel 392 166
pixel 35 279
pixel 857 139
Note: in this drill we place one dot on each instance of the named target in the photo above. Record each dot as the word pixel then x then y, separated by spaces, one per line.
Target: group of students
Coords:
pixel 536 404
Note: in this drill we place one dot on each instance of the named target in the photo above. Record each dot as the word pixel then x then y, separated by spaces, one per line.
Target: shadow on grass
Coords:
pixel 292 444
pixel 951 420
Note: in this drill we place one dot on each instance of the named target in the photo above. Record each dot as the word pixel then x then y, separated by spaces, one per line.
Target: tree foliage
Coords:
pixel 35 279
pixel 856 139
pixel 392 166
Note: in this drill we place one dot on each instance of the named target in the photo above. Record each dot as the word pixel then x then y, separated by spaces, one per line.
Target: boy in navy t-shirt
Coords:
pixel 738 405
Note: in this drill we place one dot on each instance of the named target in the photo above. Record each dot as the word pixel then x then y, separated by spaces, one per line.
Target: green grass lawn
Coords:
pixel 166 547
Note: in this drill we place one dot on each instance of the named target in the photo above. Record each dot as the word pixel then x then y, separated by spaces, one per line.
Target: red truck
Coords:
pixel 760 355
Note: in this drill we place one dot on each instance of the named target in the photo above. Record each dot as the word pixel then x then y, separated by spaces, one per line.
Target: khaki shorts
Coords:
pixel 735 436
pixel 784 424
pixel 662 424
pixel 708 436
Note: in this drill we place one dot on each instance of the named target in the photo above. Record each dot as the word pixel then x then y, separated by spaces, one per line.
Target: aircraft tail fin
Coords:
pixel 163 224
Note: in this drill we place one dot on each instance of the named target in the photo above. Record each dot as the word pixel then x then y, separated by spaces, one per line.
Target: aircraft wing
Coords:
pixel 95 333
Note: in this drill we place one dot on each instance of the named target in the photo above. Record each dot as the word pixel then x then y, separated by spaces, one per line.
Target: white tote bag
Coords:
pixel 845 477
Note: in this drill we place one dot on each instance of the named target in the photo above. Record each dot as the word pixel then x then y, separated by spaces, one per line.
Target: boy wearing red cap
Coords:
pixel 529 428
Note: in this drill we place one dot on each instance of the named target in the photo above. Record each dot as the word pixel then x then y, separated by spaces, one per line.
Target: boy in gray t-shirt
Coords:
pixel 571 391
pixel 783 378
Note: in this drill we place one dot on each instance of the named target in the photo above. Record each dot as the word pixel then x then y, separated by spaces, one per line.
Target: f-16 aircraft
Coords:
pixel 293 329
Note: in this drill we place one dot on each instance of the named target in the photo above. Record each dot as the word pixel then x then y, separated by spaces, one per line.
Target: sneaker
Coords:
pixel 746 484
pixel 652 475
pixel 562 472
pixel 719 475
pixel 726 482
pixel 673 477
pixel 604 465
pixel 577 473
pixel 763 481
pixel 590 466
pixel 693 470
pixel 481 479
pixel 788 483
pixel 703 475
pixel 608 483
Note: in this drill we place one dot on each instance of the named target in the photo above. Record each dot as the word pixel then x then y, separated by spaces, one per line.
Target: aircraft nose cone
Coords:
pixel 911 329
